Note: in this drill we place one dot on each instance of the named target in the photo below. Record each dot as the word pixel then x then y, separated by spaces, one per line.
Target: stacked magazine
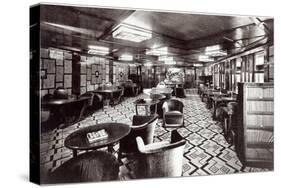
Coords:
pixel 97 136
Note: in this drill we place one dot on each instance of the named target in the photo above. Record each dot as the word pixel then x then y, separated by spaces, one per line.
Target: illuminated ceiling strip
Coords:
pixel 131 33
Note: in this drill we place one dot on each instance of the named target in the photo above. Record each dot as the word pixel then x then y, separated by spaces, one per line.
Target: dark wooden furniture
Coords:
pixel 87 167
pixel 78 139
pixel 173 113
pixel 180 92
pixel 254 129
pixel 60 93
pixel 108 94
pixel 221 101
pixel 66 111
pixel 143 126
pixel 160 159
pixel 147 103
pixel 161 99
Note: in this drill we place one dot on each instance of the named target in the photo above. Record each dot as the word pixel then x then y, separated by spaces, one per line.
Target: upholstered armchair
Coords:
pixel 142 126
pixel 73 112
pixel 173 113
pixel 60 93
pixel 117 96
pixel 180 92
pixel 89 107
pixel 160 159
pixel 97 101
pixel 230 122
pixel 162 99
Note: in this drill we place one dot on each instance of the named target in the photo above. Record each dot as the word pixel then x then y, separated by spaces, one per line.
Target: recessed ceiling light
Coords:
pixel 131 33
pixel 126 57
pixel 205 58
pixel 165 58
pixel 98 50
pixel 198 65
pixel 158 51
pixel 215 51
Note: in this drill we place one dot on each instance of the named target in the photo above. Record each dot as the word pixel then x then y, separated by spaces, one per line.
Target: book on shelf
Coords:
pixel 97 135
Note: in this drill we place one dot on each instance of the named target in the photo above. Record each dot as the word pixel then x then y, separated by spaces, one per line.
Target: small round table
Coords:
pixel 87 167
pixel 78 140
pixel 146 103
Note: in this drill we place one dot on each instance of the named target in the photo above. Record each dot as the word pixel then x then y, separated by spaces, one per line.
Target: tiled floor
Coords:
pixel 205 153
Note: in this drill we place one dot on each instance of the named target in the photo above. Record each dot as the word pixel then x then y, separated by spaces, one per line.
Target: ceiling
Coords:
pixel 185 35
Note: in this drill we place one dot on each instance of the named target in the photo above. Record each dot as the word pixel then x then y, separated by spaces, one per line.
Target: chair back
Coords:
pixel 173 105
pixel 157 96
pixel 60 93
pixel 73 111
pixel 117 96
pixel 163 160
pixel 142 126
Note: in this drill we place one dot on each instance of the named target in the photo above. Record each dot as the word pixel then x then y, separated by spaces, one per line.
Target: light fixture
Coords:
pixel 170 62
pixel 197 65
pixel 98 50
pixel 205 58
pixel 165 58
pixel 148 64
pixel 215 51
pixel 126 57
pixel 131 33
pixel 158 51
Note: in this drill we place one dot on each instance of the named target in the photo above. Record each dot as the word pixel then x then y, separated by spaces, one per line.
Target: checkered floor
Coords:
pixel 205 153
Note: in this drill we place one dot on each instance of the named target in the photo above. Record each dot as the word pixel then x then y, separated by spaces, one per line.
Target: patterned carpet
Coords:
pixel 206 151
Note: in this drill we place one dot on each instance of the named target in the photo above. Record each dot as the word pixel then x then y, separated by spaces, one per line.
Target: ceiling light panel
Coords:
pixel 205 58
pixel 131 33
pixel 126 57
pixel 98 50
pixel 158 51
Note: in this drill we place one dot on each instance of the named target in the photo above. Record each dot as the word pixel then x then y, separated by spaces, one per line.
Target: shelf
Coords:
pixel 256 127
pixel 260 113
pixel 266 145
pixel 260 99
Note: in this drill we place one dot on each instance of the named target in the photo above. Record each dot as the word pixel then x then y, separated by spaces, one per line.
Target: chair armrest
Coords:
pixel 157 147
pixel 143 120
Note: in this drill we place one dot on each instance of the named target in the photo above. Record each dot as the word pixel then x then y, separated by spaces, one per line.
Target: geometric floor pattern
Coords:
pixel 206 151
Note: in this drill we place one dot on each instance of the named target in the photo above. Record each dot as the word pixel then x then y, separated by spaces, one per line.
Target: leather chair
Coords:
pixel 143 126
pixel 97 102
pixel 89 107
pixel 230 122
pixel 73 112
pixel 60 93
pixel 160 159
pixel 162 99
pixel 117 96
pixel 180 92
pixel 173 113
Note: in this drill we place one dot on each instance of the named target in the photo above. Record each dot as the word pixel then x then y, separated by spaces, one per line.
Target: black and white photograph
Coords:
pixel 121 94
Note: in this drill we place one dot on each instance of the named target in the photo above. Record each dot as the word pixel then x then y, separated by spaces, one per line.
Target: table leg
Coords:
pixel 74 153
pixel 215 107
pixel 146 110
pixel 136 106
pixel 110 148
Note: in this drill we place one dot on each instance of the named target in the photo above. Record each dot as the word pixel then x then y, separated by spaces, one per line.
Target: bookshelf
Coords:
pixel 254 129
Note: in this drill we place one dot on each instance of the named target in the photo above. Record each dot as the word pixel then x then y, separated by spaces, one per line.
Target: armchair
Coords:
pixel 162 159
pixel 161 98
pixel 142 126
pixel 173 113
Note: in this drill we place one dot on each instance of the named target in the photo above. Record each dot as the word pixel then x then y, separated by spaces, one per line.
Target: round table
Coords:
pixel 78 140
pixel 87 167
